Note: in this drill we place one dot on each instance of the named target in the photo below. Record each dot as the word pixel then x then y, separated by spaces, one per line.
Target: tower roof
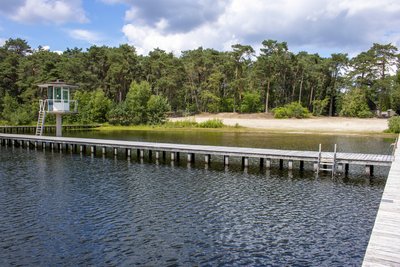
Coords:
pixel 59 83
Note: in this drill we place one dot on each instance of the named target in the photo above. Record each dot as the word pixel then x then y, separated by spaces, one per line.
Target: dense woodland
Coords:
pixel 119 86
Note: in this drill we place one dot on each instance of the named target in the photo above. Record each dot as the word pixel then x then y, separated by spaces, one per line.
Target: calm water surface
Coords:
pixel 73 210
pixel 350 143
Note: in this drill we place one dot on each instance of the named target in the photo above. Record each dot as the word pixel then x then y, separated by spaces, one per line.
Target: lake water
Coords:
pixel 71 209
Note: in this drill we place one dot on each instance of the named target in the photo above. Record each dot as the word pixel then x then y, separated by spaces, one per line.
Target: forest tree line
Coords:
pixel 120 86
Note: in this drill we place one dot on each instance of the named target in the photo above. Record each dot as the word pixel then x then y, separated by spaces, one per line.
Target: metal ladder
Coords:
pixel 41 117
pixel 326 163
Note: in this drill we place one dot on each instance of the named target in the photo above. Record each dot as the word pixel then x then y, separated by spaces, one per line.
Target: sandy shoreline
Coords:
pixel 315 124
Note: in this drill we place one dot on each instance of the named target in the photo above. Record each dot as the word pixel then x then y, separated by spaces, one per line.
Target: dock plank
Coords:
pixel 384 244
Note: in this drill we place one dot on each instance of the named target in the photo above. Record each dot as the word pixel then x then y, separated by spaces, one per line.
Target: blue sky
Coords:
pixel 316 26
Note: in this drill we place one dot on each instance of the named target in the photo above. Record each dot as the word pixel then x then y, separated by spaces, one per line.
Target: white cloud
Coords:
pixel 48 11
pixel 2 41
pixel 85 35
pixel 313 25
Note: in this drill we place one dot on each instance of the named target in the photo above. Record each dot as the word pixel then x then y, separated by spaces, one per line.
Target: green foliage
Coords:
pixel 120 115
pixel 199 80
pixel 140 107
pixel 187 123
pixel 354 104
pixel 93 107
pixel 251 102
pixel 210 101
pixel 319 106
pixel 157 107
pixel 394 124
pixel 213 123
pixel 292 110
pixel 15 113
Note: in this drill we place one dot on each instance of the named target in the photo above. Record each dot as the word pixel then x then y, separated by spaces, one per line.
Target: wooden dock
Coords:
pixel 343 160
pixel 384 244
pixel 47 129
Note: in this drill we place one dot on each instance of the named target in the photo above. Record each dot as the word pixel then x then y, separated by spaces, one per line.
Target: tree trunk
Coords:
pixel 310 104
pixel 267 97
pixel 301 88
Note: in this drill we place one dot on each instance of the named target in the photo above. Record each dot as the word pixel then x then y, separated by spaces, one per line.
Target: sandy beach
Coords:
pixel 314 124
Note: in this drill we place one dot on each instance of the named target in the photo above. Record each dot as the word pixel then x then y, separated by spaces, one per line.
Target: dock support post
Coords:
pixel 157 155
pixel 369 169
pixel 207 159
pixel 262 162
pixel 340 167
pixel 103 150
pixel 93 150
pixel 315 166
pixel 290 165
pixel 226 160
pixel 245 162
pixel 58 125
pixel 281 164
pixel 178 156
pixel 172 156
pixel 81 149
pixel 128 152
pixel 301 165
pixel 190 157
pixel 268 163
pixel 115 151
pixel 164 155
pixel 346 168
pixel 36 144
pixel 150 154
pixel 141 153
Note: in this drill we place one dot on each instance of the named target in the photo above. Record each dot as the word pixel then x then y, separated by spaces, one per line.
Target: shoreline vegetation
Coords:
pixel 265 123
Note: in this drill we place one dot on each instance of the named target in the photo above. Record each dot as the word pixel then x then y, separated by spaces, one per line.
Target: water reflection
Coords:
pixel 65 209
pixel 349 143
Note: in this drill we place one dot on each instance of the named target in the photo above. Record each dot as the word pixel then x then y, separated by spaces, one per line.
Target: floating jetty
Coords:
pixel 46 129
pixel 384 244
pixel 265 156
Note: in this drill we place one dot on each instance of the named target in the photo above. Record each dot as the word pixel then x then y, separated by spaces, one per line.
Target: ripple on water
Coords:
pixel 71 210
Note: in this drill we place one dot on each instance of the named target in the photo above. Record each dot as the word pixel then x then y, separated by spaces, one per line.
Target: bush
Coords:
pixel 213 123
pixel 251 103
pixel 354 104
pixel 394 124
pixel 157 107
pixel 319 106
pixel 291 110
pixel 188 123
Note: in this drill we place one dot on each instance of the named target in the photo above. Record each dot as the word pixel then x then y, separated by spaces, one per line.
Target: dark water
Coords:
pixel 67 209
pixel 350 143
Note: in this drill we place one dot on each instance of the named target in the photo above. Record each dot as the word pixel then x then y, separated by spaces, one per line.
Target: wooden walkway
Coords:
pixel 384 244
pixel 47 129
pixel 265 155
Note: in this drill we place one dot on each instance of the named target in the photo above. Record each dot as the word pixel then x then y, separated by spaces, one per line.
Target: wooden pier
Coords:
pixel 47 129
pixel 265 156
pixel 384 244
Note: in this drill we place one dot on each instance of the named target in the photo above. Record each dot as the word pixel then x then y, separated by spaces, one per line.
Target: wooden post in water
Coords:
pixel 226 160
pixel 267 163
pixel 157 155
pixel 207 159
pixel 172 156
pixel 369 169
pixel 245 162
pixel 190 157
pixel 301 165
pixel 281 164
pixel 290 165
pixel 115 151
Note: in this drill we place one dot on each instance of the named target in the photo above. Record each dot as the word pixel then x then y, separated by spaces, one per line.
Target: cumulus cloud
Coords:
pixel 313 25
pixel 85 35
pixel 48 11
